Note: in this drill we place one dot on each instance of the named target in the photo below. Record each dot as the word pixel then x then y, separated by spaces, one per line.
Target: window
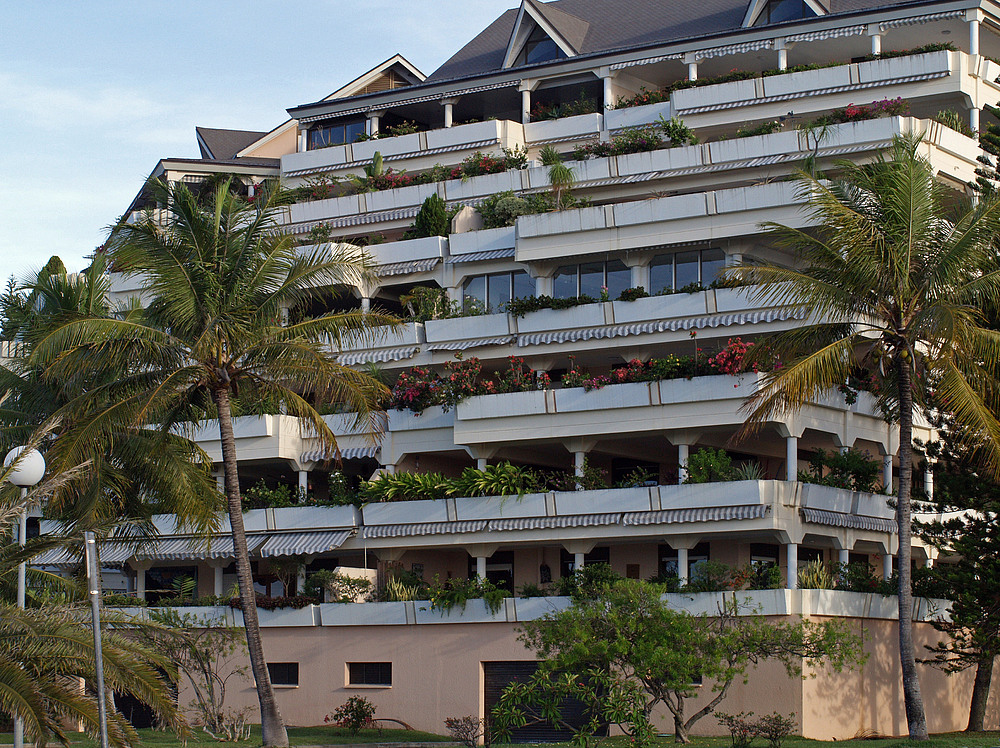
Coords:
pixel 538 48
pixel 336 134
pixel 283 673
pixel 676 271
pixel 590 279
pixel 495 290
pixel 779 11
pixel 369 673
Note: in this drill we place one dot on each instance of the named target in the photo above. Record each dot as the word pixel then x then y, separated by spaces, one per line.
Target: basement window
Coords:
pixel 369 674
pixel 283 673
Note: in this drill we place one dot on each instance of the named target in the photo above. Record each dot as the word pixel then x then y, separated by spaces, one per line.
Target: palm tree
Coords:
pixel 897 269
pixel 227 327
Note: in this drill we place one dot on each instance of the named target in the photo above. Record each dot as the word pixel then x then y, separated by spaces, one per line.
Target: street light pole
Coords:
pixel 94 588
pixel 29 470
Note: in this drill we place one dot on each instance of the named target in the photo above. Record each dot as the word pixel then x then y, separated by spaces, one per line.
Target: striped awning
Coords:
pixel 647 61
pixel 462 345
pixel 403 268
pixel 695 514
pixel 539 523
pixel 412 100
pixel 733 49
pixel 111 553
pixel 356 219
pixel 303 543
pixel 486 254
pixel 853 521
pixel 914 20
pixel 377 356
pixel 424 528
pixel 182 549
pixel 691 323
pixel 818 36
pixel 348 453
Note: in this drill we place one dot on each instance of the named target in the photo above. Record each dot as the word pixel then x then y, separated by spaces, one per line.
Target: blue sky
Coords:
pixel 93 94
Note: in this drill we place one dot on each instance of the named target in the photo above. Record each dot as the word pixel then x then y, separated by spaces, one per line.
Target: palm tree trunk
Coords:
pixel 912 698
pixel 272 728
pixel 980 695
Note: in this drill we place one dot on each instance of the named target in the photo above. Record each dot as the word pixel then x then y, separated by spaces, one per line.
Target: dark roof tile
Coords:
pixel 223 144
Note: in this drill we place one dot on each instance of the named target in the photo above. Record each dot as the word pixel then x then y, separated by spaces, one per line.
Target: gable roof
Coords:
pixel 224 144
pixel 616 24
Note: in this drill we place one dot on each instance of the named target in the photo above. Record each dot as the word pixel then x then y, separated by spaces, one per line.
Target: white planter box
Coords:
pixel 585 315
pixel 691 98
pixel 432 418
pixel 365 150
pixel 603 501
pixel 736 493
pixel 424 248
pixel 405 512
pixel 577 399
pixel 314 517
pixel 532 608
pixel 636 116
pixel 500 507
pixel 661 209
pixel 754 198
pixel 363 614
pixel 475 611
pixel 901 67
pixel 807 81
pixel 502 406
pixel 322 210
pixel 481 241
pixel 468 328
pixel 403 197
pixel 670 306
pixel 664 159
pixel 562 222
pixel 740 149
pixel 321 158
pixel 583 171
pixel 487 184
pixel 285 617
pixel 736 299
pixel 475 132
pixel 706 388
pixel 580 126
pixel 752 602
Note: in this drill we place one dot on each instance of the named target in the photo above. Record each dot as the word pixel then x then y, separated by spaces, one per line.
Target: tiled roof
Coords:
pixel 224 144
pixel 615 25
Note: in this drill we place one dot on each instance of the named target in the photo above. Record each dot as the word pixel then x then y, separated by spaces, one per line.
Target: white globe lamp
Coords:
pixel 30 469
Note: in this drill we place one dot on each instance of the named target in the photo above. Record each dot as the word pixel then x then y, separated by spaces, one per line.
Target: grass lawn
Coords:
pixel 319 736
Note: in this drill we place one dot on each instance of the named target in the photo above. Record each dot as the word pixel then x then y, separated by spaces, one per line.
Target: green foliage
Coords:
pixel 709 465
pixel 332 587
pixel 432 220
pixel 954 120
pixel 262 496
pixel 588 582
pixel 676 132
pixel 710 576
pixel 354 714
pixel 501 209
pixel 583 104
pixel 852 469
pixel 743 728
pixel 640 653
pixel 764 128
pixel 404 487
pixel 816 575
pixel 449 593
pixel 549 156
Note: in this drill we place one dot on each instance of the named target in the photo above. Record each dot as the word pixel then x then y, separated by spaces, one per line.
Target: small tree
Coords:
pixel 625 650
pixel 432 220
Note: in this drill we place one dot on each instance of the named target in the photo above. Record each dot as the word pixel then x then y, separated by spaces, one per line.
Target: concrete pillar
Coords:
pixel 782 58
pixel 929 482
pixel 974 119
pixel 216 581
pixel 887 474
pixel 844 556
pixel 140 583
pixel 876 43
pixel 683 571
pixel 792 565
pixel 609 93
pixel 791 457
pixel 682 461
pixel 481 464
pixel 449 113
pixel 579 458
pixel 974 36
pixel 302 142
pixel 578 559
pixel 886 565
pixel 525 107
pixel 303 481
pixel 390 469
pixel 640 276
pixel 366 304
pixel 543 285
pixel 692 71
pixel 373 119
pixel 481 567
pixel 300 580
pixel 220 481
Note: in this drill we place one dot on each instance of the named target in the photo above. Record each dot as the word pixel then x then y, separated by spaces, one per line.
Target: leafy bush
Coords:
pixel 742 728
pixel 549 156
pixel 480 163
pixel 816 575
pixel 852 469
pixel 432 220
pixel 709 465
pixel 642 98
pixel 676 132
pixel 468 730
pixel 261 496
pixel 861 112
pixel 521 307
pixel 709 576
pixel 445 595
pixel 502 209
pixel 583 104
pixel 274 603
pixel 954 120
pixel 631 294
pixel 355 714
pixel 329 586
pixel 588 582
pixel 764 128
pixel 629 140
pixel 774 728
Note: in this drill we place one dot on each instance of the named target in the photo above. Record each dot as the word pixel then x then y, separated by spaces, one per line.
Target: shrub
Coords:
pixel 642 98
pixel 582 105
pixel 954 120
pixel 675 131
pixel 710 576
pixel 432 220
pixel 329 586
pixel 816 575
pixel 354 715
pixel 629 140
pixel 480 163
pixel 774 728
pixel 709 465
pixel 445 595
pixel 502 209
pixel 852 469
pixel 468 730
pixel 549 156
pixel 764 128
pixel 631 294
pixel 742 727
pixel 588 582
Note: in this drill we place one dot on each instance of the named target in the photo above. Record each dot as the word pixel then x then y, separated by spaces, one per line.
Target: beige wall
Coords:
pixel 437 673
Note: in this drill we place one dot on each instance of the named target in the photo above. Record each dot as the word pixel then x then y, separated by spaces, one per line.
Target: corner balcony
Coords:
pixel 411 152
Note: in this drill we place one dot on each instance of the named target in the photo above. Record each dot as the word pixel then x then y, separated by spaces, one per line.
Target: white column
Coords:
pixel 220 481
pixel 481 567
pixel 140 583
pixel 844 556
pixel 792 565
pixel 887 474
pixel 974 119
pixel 578 459
pixel 216 580
pixel 302 144
pixel 525 107
pixel 303 481
pixel 876 43
pixel 683 572
pixel 974 36
pixel 543 285
pixel 480 464
pixel 449 113
pixel 692 71
pixel 609 94
pixel 682 461
pixel 366 304
pixel 791 457
pixel 782 59
pixel 373 119
pixel 300 580
pixel 929 482
pixel 886 565
pixel 578 559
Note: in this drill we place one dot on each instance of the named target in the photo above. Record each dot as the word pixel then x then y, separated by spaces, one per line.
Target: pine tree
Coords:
pixel 432 220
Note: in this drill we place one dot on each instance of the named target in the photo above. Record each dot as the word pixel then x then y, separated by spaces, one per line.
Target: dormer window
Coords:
pixel 779 11
pixel 540 47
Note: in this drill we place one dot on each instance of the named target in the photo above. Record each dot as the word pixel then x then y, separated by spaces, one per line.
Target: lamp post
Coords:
pixel 29 471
